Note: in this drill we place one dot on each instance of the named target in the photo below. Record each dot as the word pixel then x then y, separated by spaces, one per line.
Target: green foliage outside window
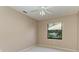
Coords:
pixel 54 31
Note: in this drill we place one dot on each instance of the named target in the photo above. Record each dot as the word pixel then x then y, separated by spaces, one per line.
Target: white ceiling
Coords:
pixel 56 11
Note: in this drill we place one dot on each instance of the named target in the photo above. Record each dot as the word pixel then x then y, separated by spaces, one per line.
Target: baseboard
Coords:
pixel 66 49
pixel 56 47
pixel 26 49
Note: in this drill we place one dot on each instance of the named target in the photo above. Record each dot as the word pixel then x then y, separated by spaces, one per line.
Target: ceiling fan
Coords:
pixel 43 10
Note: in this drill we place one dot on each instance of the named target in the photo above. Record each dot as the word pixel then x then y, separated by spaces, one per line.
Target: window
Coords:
pixel 55 31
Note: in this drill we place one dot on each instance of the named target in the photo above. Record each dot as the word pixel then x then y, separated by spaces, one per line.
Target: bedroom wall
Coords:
pixel 78 30
pixel 69 39
pixel 17 31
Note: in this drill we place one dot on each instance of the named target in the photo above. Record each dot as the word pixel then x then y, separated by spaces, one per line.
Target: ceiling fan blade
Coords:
pixel 49 7
pixel 35 10
pixel 49 12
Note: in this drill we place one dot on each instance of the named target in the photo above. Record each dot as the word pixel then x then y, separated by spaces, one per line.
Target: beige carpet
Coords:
pixel 42 49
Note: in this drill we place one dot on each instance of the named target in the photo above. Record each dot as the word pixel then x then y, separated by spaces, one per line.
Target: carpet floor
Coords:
pixel 42 49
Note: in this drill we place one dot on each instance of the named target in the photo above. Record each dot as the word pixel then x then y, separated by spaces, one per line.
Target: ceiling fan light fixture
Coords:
pixel 42 12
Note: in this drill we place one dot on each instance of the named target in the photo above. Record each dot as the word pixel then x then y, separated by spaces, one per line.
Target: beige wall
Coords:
pixel 78 30
pixel 17 31
pixel 69 40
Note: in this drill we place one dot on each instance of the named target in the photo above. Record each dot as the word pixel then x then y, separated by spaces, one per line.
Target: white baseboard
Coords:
pixel 56 47
pixel 66 49
pixel 26 49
